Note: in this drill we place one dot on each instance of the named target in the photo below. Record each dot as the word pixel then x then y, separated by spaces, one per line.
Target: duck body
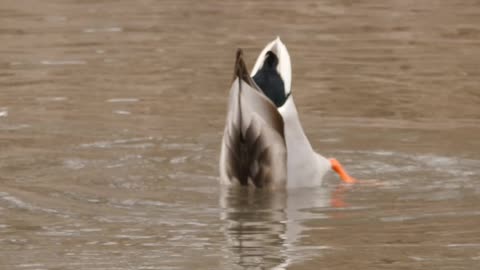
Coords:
pixel 304 166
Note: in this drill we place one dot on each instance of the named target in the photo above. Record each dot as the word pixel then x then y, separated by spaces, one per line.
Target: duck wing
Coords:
pixel 253 141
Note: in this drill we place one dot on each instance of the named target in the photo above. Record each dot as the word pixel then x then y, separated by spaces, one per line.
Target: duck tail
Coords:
pixel 240 69
pixel 241 72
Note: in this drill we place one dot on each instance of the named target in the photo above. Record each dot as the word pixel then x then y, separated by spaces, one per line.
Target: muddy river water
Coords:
pixel 111 115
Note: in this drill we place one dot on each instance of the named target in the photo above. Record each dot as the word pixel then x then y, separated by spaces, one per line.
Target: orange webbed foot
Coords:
pixel 338 168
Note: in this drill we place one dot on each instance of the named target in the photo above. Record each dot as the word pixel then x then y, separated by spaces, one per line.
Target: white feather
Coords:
pixel 284 67
pixel 304 166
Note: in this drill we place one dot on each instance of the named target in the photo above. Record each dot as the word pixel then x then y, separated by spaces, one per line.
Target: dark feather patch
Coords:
pixel 270 82
pixel 251 158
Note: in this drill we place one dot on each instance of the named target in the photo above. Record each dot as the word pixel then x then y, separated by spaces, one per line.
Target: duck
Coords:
pixel 264 144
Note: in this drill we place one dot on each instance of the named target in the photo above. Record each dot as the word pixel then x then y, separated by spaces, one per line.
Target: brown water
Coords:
pixel 111 115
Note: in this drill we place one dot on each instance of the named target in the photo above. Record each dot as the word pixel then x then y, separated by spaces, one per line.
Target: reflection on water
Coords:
pixel 111 115
pixel 262 228
pixel 255 227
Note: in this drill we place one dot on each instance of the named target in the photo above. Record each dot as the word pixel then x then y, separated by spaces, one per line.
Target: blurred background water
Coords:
pixel 111 115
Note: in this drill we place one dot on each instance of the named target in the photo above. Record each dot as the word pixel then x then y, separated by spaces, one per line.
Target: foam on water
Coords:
pixel 51 98
pixel 105 29
pixel 3 112
pixel 116 143
pixel 122 100
pixel 62 62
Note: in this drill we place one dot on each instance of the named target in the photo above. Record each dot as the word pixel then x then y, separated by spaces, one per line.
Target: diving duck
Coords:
pixel 264 144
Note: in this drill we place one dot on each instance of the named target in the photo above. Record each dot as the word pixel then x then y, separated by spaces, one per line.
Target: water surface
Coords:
pixel 111 114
